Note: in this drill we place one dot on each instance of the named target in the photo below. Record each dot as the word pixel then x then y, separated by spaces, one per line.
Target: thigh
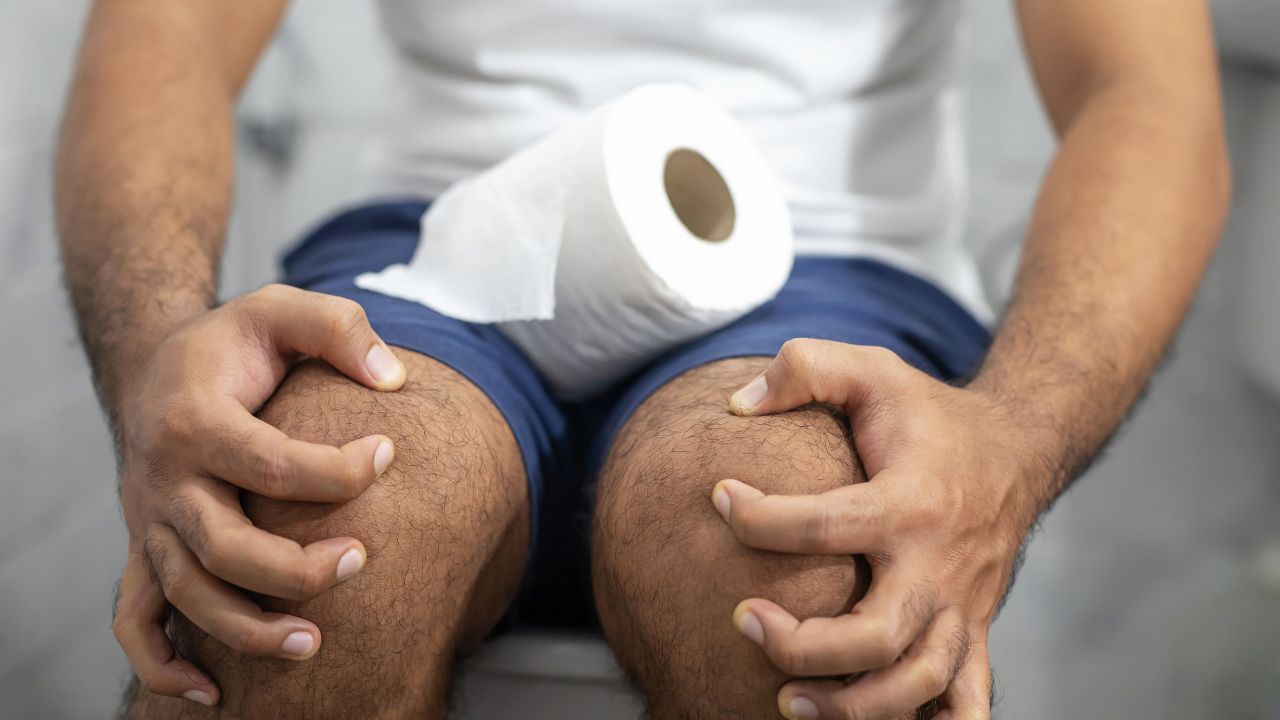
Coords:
pixel 446 530
pixel 847 300
pixel 668 572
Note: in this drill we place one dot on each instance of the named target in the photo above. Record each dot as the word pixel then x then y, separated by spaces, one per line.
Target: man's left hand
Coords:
pixel 940 522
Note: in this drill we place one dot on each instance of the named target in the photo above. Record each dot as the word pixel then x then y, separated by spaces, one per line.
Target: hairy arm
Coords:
pixel 145 168
pixel 1125 223
pixel 144 177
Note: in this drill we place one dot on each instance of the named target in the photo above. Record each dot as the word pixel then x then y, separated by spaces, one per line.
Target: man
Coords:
pixel 331 556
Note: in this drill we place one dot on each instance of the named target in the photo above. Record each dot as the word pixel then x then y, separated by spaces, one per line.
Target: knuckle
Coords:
pixel 272 470
pixel 791 657
pixel 307 582
pixel 881 355
pixel 933 677
pixel 146 679
pixel 347 319
pixel 119 629
pixel 883 647
pixel 920 604
pixel 745 522
pixel 178 588
pixel 247 639
pixel 820 530
pixel 797 354
pixel 248 314
pixel 187 517
pixel 272 292
pixel 354 478
pixel 215 555
pixel 153 548
pixel 849 708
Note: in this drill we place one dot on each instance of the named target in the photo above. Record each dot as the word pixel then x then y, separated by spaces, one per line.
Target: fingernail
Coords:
pixel 748 624
pixel 383 365
pixel 746 399
pixel 298 644
pixel 720 498
pixel 349 564
pixel 382 457
pixel 801 708
pixel 198 696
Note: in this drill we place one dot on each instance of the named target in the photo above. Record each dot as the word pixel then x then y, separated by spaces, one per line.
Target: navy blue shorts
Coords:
pixel 563 445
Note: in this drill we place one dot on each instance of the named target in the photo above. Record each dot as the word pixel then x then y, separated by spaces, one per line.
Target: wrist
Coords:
pixel 121 365
pixel 1034 452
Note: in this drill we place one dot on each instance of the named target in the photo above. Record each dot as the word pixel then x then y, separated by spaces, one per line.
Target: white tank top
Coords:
pixel 855 103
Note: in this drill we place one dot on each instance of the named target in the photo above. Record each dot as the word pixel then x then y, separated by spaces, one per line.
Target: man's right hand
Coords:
pixel 190 443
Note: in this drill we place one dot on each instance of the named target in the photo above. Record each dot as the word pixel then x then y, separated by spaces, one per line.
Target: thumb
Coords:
pixel 331 328
pixel 806 371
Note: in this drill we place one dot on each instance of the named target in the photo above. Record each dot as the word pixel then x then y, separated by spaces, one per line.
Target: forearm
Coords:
pixel 143 181
pixel 1125 224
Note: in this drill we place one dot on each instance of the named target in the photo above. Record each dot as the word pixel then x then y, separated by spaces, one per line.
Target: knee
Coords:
pixel 668 566
pixel 455 487
pixel 682 441
pixel 804 452
pixel 450 508
pixel 452 448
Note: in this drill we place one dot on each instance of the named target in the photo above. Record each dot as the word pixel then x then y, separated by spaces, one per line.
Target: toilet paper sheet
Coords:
pixel 646 224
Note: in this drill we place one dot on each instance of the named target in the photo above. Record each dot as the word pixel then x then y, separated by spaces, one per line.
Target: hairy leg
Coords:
pixel 667 570
pixel 446 531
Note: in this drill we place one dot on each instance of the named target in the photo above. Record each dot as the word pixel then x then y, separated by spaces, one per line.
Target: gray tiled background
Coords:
pixel 1152 591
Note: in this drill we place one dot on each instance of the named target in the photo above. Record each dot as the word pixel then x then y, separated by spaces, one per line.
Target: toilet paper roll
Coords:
pixel 650 222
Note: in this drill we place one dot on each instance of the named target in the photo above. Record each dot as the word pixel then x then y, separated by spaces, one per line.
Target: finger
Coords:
pixel 921 675
pixel 211 523
pixel 844 521
pixel 221 610
pixel 258 457
pixel 328 327
pixel 138 626
pixel 823 371
pixel 969 696
pixel 896 611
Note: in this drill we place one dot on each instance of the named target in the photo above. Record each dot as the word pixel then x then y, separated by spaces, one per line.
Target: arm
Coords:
pixel 145 167
pixel 1127 218
pixel 1125 224
pixel 143 188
